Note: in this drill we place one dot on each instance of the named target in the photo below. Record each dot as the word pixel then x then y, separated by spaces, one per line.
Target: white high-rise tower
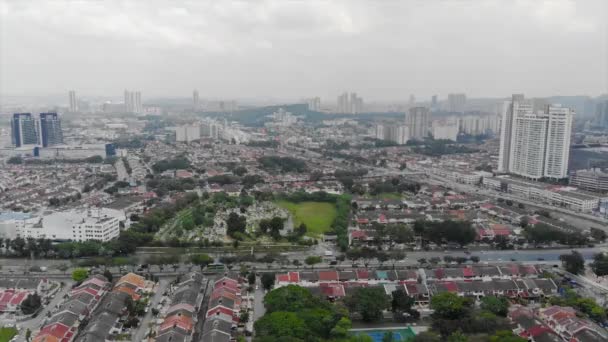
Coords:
pixel 73 102
pixel 534 145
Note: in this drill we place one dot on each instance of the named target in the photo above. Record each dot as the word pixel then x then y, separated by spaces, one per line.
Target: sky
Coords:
pixel 383 50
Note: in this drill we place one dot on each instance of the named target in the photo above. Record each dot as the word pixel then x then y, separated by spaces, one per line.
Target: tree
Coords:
pixel 388 337
pixel 340 330
pixel 598 234
pixel 600 264
pixel 18 245
pixel 292 298
pixel 281 325
pixel 496 305
pixel 251 278
pixel 506 336
pixel 368 302
pixel 244 317
pixel 267 280
pixel 188 223
pixel 80 274
pixel 235 224
pixel 108 275
pixel 31 304
pixel 457 336
pixel 427 336
pixel 240 171
pixel 449 305
pixel 276 225
pixel 573 262
pixel 312 260
pixel 401 301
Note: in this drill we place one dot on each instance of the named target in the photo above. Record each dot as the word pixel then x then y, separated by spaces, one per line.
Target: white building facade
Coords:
pixel 535 145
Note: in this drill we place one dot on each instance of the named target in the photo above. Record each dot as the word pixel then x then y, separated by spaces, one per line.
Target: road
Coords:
pixel 35 323
pixel 121 170
pixel 202 312
pixel 144 324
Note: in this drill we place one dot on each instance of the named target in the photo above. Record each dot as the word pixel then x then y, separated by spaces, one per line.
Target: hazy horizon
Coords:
pixel 289 50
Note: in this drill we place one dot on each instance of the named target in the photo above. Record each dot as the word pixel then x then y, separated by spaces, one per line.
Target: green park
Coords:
pixel 317 216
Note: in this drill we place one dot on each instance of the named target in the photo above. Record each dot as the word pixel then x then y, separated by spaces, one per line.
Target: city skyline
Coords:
pixel 350 46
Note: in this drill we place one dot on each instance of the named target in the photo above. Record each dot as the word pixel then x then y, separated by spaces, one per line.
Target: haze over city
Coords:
pixel 304 171
pixel 286 50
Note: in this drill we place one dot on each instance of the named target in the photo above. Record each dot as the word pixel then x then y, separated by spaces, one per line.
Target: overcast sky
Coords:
pixel 383 50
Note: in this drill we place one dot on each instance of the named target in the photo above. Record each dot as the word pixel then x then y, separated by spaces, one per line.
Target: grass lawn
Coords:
pixel 317 216
pixel 7 333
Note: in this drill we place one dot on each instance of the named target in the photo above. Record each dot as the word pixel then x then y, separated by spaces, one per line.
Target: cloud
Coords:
pixel 382 49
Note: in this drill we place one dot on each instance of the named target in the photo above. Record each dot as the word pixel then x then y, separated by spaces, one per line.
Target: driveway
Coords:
pixel 146 321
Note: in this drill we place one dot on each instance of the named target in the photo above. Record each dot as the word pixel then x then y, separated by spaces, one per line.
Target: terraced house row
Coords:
pixel 223 312
pixel 63 326
pixel 473 281
pixel 105 320
pixel 181 317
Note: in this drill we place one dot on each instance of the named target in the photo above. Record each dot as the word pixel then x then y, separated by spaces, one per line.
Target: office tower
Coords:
pixel 195 100
pixel 73 101
pixel 456 103
pixel 418 122
pixel 434 101
pixel 412 100
pixel 507 110
pixel 535 145
pixel 24 130
pixel 50 130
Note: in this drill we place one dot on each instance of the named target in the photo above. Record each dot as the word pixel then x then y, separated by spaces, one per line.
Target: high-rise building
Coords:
pixel 396 133
pixel 314 104
pixel 187 133
pixel 508 108
pixel 137 107
pixel 352 105
pixel 50 130
pixel 24 130
pixel 133 102
pixel 195 100
pixel 418 122
pixel 445 130
pixel 128 101
pixel 601 115
pixel 457 103
pixel 559 131
pixel 535 145
pixel 528 144
pixel 412 100
pixel 73 101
